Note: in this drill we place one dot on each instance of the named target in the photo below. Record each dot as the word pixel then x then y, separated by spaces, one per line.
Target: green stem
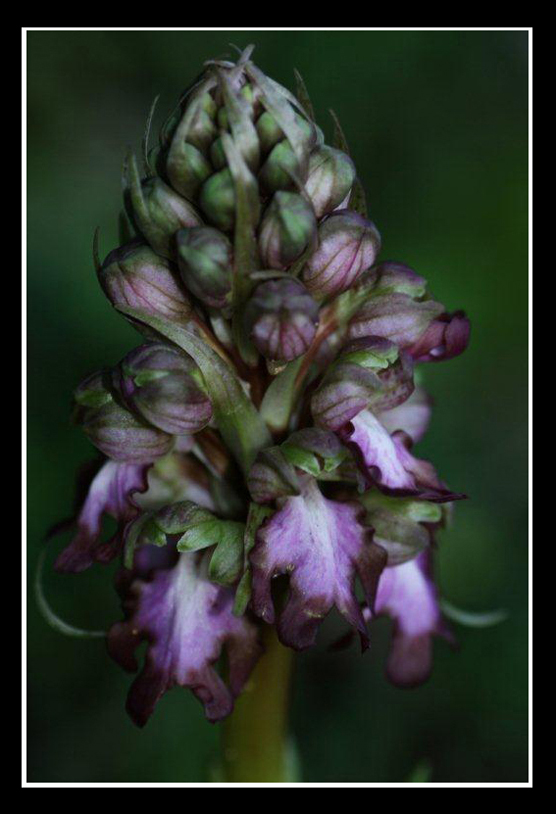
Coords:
pixel 255 745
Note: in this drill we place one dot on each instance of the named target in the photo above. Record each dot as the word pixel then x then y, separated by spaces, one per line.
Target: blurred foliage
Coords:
pixel 437 125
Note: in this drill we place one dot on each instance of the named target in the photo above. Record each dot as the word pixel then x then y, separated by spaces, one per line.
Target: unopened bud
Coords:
pixel 348 245
pixel 283 319
pixel 205 263
pixel 187 169
pixel 272 476
pixel 287 229
pixel 136 277
pixel 159 212
pixel 396 317
pixel 158 382
pixel 445 338
pixel 218 200
pixel 369 373
pixel 279 168
pixel 330 177
pixel 397 278
pixel 115 431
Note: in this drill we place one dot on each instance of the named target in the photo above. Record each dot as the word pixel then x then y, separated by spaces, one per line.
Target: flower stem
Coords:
pixel 255 746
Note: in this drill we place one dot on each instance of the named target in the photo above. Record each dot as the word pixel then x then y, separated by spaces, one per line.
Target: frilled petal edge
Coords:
pixel 322 545
pixel 187 621
pixel 386 461
pixel 110 492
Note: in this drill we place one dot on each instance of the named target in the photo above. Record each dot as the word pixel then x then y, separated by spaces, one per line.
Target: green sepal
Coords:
pixel 272 476
pixel 241 426
pixel 371 359
pixel 315 451
pixel 242 128
pixel 278 401
pixel 255 518
pixel 146 137
pixel 303 95
pixel 201 529
pixel 397 524
pixel 247 212
pixel 357 198
pixel 142 531
pixel 277 105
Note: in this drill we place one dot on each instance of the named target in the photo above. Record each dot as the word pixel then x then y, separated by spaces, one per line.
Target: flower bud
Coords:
pixel 288 227
pixel 369 373
pixel 157 382
pixel 283 319
pixel 396 317
pixel 92 392
pixel 159 212
pixel 113 430
pixel 205 263
pixel 268 131
pixel 348 245
pixel 278 169
pixel 202 128
pixel 187 170
pixel 445 338
pixel 272 476
pixel 134 276
pixel 397 278
pixel 330 177
pixel 218 200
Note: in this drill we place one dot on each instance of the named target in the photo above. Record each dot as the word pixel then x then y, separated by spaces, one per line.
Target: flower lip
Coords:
pixel 187 621
pixel 322 545
pixel 109 491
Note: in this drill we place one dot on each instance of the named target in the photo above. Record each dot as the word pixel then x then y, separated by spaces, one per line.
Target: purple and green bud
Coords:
pixel 188 171
pixel 396 278
pixel 282 317
pixel 205 263
pixel 330 177
pixel 134 276
pixel 396 317
pixel 368 374
pixel 161 385
pixel 288 228
pixel 444 338
pixel 115 431
pixel 272 476
pixel 348 246
pixel 159 212
pixel 280 168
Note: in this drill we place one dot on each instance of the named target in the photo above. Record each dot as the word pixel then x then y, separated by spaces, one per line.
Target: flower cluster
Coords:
pixel 265 424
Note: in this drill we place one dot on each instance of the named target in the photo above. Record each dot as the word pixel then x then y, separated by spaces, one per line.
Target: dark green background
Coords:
pixel 437 123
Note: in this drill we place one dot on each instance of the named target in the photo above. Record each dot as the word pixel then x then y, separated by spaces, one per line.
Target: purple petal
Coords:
pixel 110 492
pixel 407 594
pixel 387 463
pixel 396 317
pixel 412 417
pixel 187 621
pixel 322 545
pixel 445 338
